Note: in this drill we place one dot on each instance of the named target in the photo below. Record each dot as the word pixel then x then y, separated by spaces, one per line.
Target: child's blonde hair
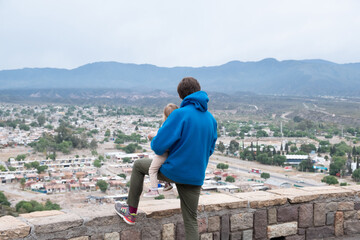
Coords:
pixel 168 109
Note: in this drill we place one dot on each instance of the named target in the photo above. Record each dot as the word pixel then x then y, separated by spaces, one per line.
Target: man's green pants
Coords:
pixel 189 196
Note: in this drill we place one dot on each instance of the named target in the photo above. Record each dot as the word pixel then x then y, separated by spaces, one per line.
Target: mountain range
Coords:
pixel 268 76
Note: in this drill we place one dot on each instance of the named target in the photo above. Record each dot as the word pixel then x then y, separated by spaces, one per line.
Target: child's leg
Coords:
pixel 154 168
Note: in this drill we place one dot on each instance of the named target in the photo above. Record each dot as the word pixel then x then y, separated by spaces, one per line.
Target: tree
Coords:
pixel 306 166
pixel 221 147
pixel 337 165
pixel 22 183
pixel 265 175
pixel 122 175
pixel 330 180
pixel 233 147
pixel 261 133
pixel 97 163
pixel 279 160
pixel 126 159
pixel 230 179
pixel 4 200
pixel 107 133
pixel 20 157
pixel 356 175
pixel 103 185
pixel 41 119
pixel 222 166
pixel 307 148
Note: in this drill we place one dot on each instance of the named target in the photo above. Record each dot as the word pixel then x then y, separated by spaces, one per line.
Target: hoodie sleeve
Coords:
pixel 214 141
pixel 168 134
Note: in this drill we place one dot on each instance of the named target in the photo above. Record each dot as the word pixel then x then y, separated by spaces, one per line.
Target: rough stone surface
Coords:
pixel 295 237
pixel 306 213
pixel 225 227
pixel 11 228
pixel 319 214
pixel 262 199
pixel 272 216
pixel 295 195
pixel 97 237
pixel 216 202
pixel 260 223
pixel 150 233
pixel 214 224
pixel 241 221
pixel 352 227
pixel 320 232
pixel 346 206
pixel 168 207
pixel 301 231
pixel 168 231
pixel 357 206
pixel 216 236
pixel 332 207
pixel 206 236
pixel 41 214
pixel 80 238
pixel 339 224
pixel 287 214
pixel 350 214
pixel 180 231
pixel 112 236
pixel 131 234
pixel 282 230
pixel 202 225
pixel 235 236
pixel 330 218
pixel 57 223
pixel 248 235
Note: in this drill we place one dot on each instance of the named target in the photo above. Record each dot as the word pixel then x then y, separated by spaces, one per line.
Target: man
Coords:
pixel 189 134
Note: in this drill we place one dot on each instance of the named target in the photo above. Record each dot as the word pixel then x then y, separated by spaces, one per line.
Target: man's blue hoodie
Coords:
pixel 189 133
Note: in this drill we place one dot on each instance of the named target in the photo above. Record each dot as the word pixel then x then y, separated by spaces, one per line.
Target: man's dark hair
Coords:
pixel 188 86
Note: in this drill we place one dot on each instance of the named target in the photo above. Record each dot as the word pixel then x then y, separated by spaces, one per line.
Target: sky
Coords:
pixel 71 33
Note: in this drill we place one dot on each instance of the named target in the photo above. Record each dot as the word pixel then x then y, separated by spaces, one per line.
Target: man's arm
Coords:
pixel 168 134
pixel 214 141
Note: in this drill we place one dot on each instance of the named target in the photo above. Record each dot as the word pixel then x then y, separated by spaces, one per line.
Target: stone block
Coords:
pixel 180 230
pixel 346 206
pixel 112 236
pixel 320 232
pixel 330 218
pixel 357 206
pixel 153 209
pixel 130 234
pixel 235 236
pixel 295 195
pixel 357 215
pixel 12 228
pixel 168 231
pixel 272 216
pixel 98 236
pixel 282 230
pixel 301 231
pixel 248 235
pixel 339 224
pixel 202 225
pixel 287 213
pixel 331 207
pixel 216 236
pixel 350 214
pixel 262 199
pixel 241 221
pixel 80 238
pixel 40 214
pixel 260 224
pixel 295 237
pixel 351 227
pixel 216 202
pixel 206 236
pixel 54 223
pixel 306 215
pixel 150 233
pixel 326 192
pixel 319 214
pixel 225 227
pixel 214 224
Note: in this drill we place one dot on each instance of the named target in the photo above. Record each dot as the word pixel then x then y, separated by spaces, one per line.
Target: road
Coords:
pixel 245 166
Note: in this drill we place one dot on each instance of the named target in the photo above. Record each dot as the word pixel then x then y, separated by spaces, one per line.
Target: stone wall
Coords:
pixel 291 214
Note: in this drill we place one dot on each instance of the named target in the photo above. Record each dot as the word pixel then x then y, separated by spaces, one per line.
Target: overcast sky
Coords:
pixel 70 33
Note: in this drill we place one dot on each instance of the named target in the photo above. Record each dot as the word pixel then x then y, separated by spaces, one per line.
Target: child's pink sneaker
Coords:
pixel 151 193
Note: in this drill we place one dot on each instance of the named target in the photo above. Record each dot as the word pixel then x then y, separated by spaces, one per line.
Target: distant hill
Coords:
pixel 269 76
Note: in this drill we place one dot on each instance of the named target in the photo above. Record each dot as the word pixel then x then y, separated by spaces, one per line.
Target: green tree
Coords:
pixel 337 166
pixel 3 199
pixel 233 147
pixel 103 185
pixel 122 175
pixel 222 166
pixel 107 133
pixel 22 183
pixel 41 119
pixel 306 166
pixel 126 159
pixel 307 148
pixel 356 175
pixel 97 163
pixel 20 157
pixel 261 133
pixel 221 147
pixel 230 179
pixel 279 160
pixel 265 175
pixel 329 180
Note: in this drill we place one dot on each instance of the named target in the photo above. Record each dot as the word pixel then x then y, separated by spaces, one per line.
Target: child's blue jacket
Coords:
pixel 189 133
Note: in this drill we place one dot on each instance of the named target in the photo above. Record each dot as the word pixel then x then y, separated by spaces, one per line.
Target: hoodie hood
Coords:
pixel 198 99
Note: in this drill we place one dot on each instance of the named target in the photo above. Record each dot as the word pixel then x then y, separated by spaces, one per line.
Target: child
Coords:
pixel 158 161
